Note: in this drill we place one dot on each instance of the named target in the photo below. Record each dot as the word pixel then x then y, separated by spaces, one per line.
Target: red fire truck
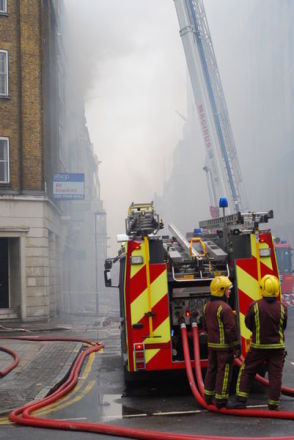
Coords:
pixel 164 281
pixel 284 258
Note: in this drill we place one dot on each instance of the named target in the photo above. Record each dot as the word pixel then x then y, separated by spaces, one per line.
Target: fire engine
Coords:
pixel 284 258
pixel 164 281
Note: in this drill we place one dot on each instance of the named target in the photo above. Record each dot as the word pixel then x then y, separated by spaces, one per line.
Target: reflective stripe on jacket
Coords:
pixel 267 319
pixel 219 321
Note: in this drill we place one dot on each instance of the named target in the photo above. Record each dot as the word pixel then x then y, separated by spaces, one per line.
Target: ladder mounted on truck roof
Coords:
pixel 242 220
pixel 142 220
pixel 194 247
pixel 195 259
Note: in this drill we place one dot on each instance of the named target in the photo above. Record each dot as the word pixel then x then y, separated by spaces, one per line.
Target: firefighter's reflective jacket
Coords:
pixel 267 319
pixel 219 321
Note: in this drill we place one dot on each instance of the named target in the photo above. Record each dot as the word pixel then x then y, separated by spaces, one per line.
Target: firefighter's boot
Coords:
pixel 220 403
pixel 273 406
pixel 208 399
pixel 237 403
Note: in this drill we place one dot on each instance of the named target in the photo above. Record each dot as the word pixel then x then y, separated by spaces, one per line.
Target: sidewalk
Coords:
pixel 43 365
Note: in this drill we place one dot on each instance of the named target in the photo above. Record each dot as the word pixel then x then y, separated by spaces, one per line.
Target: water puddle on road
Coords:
pixel 113 408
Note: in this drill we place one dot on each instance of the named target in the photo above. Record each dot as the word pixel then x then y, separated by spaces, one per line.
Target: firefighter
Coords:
pixel 219 322
pixel 267 320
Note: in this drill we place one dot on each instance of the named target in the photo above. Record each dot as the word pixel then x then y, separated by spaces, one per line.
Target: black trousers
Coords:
pixel 218 375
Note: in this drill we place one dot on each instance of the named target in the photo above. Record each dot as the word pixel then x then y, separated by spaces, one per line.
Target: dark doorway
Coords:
pixel 4 291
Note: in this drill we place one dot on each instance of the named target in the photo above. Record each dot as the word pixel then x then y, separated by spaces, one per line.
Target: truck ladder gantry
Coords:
pixel 222 165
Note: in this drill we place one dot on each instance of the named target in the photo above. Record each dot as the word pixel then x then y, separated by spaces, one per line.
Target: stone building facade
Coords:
pixel 35 229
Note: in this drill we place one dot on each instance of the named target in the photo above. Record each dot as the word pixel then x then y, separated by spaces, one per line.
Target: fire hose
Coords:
pixel 13 364
pixel 197 365
pixel 24 415
pixel 50 338
pixel 236 412
pixel 32 338
pixel 287 391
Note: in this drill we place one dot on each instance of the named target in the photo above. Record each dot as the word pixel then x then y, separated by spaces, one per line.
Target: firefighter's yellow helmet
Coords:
pixel 270 286
pixel 218 285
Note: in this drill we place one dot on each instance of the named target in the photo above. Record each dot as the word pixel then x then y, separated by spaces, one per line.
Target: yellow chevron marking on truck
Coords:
pixel 247 283
pixel 136 267
pixel 163 330
pixel 245 332
pixel 267 261
pixel 149 354
pixel 140 305
pixel 158 288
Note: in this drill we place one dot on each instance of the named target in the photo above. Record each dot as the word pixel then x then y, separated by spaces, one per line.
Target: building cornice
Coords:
pixel 30 198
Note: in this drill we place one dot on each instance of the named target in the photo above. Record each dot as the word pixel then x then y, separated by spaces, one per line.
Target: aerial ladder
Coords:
pixel 222 166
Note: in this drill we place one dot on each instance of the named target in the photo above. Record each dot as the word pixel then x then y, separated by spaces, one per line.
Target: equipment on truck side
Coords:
pixel 164 281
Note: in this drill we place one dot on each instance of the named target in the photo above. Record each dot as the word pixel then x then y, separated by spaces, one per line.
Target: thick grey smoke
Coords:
pixel 132 71
pixel 253 42
pixel 130 59
pixel 255 50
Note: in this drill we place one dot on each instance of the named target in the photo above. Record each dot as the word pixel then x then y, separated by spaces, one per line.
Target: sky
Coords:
pixel 132 72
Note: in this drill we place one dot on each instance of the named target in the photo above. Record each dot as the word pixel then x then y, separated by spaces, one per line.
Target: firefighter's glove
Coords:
pixel 237 350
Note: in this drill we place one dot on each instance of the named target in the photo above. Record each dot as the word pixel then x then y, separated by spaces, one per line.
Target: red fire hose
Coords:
pixel 13 364
pixel 50 338
pixel 33 338
pixel 198 371
pixel 235 412
pixel 287 391
pixel 23 415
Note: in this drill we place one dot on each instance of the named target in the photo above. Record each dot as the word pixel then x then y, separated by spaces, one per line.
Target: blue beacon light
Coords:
pixel 223 202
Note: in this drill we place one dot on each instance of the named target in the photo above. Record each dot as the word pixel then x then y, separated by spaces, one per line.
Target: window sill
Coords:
pixel 5 97
pixel 3 14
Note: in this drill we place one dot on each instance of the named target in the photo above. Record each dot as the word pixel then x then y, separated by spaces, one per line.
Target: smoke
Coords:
pixel 131 66
pixel 129 61
pixel 255 53
pixel 254 44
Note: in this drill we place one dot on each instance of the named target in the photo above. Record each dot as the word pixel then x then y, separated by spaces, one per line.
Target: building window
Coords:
pixel 4 160
pixel 3 6
pixel 3 73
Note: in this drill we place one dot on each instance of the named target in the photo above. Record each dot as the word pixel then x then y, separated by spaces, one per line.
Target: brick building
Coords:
pixel 34 235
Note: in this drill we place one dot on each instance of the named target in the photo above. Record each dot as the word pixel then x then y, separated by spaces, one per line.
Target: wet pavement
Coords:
pixel 103 397
pixel 42 365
